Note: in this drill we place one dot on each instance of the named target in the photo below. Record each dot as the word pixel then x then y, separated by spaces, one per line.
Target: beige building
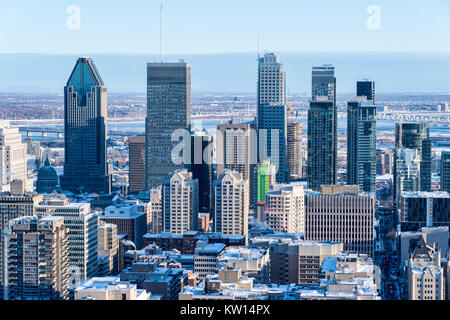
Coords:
pixel 293 261
pixel 285 208
pixel 342 214
pixel 294 147
pixel 14 206
pixel 37 258
pixel 231 204
pixel 155 206
pixel 108 248
pixel 110 288
pixel 137 164
pixel 425 273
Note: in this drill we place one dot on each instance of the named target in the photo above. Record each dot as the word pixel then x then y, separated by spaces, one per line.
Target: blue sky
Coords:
pixel 200 26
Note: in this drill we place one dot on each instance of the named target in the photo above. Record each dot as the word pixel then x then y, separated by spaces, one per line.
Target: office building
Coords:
pixel 366 88
pixel 424 209
pixel 445 171
pixel 323 83
pixel 14 206
pixel 322 143
pixel 231 204
pixel 128 221
pixel 343 214
pixel 13 162
pixel 168 110
pixel 285 208
pixel 155 205
pixel 294 148
pixel 266 177
pixel 272 115
pixel 110 288
pixel 180 203
pixel 425 274
pixel 137 164
pixel 82 224
pixel 37 259
pixel 384 162
pixel 206 258
pixel 412 159
pixel 108 248
pixel 85 128
pixel 361 144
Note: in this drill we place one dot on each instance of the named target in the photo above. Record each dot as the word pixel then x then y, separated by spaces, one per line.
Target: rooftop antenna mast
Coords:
pixel 161 34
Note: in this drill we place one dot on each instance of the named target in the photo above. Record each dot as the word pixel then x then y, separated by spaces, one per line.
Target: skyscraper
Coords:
pixel 322 143
pixel 168 109
pixel 366 89
pixel 85 120
pixel 323 83
pixel 137 164
pixel 361 144
pixel 445 171
pixel 272 115
pixel 412 159
pixel 294 148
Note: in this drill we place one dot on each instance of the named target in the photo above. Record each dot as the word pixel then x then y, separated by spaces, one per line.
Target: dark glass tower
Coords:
pixel 322 151
pixel 168 109
pixel 445 171
pixel 366 88
pixel 272 115
pixel 85 131
pixel 412 159
pixel 361 144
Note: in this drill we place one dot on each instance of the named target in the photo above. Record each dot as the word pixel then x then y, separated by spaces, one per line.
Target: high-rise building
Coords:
pixel 128 221
pixel 231 204
pixel 424 209
pixel 13 162
pixel 202 169
pixel 341 213
pixel 155 204
pixel 14 206
pixel 82 223
pixel 445 171
pixel 412 159
pixel 425 273
pixel 366 88
pixel 384 162
pixel 323 83
pixel 272 115
pixel 85 119
pixel 108 247
pixel 137 164
pixel 180 203
pixel 322 143
pixel 294 147
pixel 168 109
pixel 361 144
pixel 285 208
pixel 37 259
pixel 265 179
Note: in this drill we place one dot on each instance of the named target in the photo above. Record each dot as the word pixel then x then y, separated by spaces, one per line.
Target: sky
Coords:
pixel 211 26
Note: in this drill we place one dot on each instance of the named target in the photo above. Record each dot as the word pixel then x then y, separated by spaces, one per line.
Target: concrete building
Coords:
pixel 384 162
pixel 341 213
pixel 294 148
pixel 285 208
pixel 13 161
pixel 85 127
pixel 128 221
pixel 231 204
pixel 425 274
pixel 168 110
pixel 180 203
pixel 14 206
pixel 206 259
pixel 424 209
pixel 108 247
pixel 294 261
pixel 37 259
pixel 110 288
pixel 155 205
pixel 272 114
pixel 137 164
pixel 361 144
pixel 82 224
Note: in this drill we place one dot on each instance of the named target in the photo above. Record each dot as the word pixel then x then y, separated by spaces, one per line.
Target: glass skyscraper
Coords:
pixel 366 88
pixel 85 120
pixel 168 109
pixel 272 115
pixel 361 144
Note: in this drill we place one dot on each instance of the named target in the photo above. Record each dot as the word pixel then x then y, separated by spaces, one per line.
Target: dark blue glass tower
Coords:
pixel 85 116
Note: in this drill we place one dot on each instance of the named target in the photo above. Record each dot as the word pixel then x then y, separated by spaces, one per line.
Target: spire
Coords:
pixel 47 162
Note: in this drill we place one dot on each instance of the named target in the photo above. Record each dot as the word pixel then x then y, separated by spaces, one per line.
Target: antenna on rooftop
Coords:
pixel 161 34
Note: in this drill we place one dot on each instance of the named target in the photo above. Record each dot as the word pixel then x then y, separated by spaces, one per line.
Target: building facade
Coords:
pixel 294 147
pixel 137 164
